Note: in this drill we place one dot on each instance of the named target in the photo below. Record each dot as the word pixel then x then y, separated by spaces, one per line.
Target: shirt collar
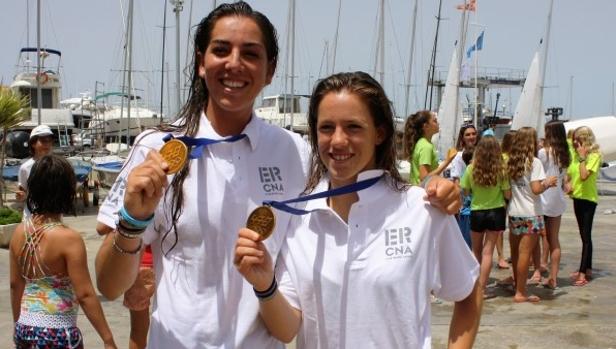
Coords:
pixel 367 194
pixel 252 129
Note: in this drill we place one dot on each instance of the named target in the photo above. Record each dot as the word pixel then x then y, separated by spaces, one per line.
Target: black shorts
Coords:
pixel 492 219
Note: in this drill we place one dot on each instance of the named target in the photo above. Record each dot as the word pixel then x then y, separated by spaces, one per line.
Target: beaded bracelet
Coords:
pixel 123 251
pixel 268 293
pixel 129 234
pixel 132 222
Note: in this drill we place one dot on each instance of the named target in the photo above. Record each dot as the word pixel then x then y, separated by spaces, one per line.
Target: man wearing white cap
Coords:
pixel 40 144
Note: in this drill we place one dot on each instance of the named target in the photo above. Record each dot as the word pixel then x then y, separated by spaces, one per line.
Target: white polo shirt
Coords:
pixel 201 300
pixel 24 173
pixel 366 284
pixel 523 202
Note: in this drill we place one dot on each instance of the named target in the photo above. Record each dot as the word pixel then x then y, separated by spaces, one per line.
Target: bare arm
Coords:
pixel 584 172
pixel 109 261
pixel 253 261
pixel 17 281
pixel 465 320
pixel 538 187
pixel 77 268
pixel 117 271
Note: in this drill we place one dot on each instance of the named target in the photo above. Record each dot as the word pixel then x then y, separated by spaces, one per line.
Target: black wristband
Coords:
pixel 269 292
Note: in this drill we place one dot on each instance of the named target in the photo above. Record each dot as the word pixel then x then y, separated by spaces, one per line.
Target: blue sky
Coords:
pixel 90 35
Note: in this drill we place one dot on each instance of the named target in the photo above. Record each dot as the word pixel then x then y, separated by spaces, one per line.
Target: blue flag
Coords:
pixel 478 45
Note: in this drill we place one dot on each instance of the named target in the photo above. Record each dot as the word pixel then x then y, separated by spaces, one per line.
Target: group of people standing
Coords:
pixel 352 264
pixel 520 185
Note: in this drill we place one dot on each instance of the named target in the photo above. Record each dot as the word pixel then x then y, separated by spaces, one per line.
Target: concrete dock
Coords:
pixel 568 317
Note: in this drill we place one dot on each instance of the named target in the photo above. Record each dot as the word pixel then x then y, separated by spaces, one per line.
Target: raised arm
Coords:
pixel 254 262
pixel 145 186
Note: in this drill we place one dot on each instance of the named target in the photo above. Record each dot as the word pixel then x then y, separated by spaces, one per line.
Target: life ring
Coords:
pixel 42 78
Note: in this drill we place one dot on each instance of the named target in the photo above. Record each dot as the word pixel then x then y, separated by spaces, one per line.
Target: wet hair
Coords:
pixel 372 95
pixel 51 186
pixel 587 138
pixel 460 142
pixel 507 141
pixel 488 163
pixel 523 150
pixel 555 143
pixel 413 131
pixel 198 94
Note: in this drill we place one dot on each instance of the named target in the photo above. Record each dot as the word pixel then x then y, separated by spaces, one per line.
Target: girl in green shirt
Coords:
pixel 485 179
pixel 418 131
pixel 583 174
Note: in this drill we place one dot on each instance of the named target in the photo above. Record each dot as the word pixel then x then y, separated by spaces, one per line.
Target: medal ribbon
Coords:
pixel 350 188
pixel 197 144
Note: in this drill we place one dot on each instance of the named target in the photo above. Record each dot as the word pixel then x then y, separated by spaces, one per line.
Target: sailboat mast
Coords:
pixel 39 97
pixel 162 63
pixel 336 38
pixel 179 5
pixel 381 41
pixel 130 69
pixel 410 66
pixel 292 62
pixel 544 59
pixel 460 48
pixel 429 86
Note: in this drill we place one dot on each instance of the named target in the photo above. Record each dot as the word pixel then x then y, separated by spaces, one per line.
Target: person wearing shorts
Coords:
pixel 525 210
pixel 488 213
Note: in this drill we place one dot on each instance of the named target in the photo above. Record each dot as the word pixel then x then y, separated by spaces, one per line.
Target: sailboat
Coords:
pixel 448 111
pixel 529 110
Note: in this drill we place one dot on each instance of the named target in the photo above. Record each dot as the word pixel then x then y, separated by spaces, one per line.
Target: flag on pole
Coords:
pixel 478 45
pixel 471 5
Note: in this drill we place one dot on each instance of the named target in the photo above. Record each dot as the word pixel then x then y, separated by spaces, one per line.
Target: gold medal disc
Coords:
pixel 262 220
pixel 175 153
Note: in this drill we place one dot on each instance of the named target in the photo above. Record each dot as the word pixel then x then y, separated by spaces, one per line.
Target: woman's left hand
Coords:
pixel 444 194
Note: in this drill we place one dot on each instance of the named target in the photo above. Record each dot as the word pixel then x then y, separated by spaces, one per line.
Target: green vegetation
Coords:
pixel 9 216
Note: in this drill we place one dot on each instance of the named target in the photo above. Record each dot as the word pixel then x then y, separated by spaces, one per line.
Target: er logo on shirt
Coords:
pixel 398 242
pixel 271 180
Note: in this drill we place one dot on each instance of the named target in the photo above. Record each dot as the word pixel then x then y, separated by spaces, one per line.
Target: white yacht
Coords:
pixel 285 110
pixel 26 81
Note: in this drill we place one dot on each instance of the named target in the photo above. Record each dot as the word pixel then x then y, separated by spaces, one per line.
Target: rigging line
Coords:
pixel 396 41
pixel 429 83
pixel 337 32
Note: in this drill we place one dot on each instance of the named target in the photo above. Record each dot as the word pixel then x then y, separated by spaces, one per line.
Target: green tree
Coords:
pixel 14 109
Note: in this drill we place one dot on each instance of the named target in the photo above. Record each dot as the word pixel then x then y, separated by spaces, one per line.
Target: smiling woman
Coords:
pixel 364 229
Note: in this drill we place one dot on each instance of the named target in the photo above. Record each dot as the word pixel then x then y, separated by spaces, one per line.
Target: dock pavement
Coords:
pixel 566 318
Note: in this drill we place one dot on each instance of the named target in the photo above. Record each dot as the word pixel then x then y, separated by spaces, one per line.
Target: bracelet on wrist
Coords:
pixel 129 233
pixel 424 182
pixel 123 251
pixel 131 222
pixel 268 293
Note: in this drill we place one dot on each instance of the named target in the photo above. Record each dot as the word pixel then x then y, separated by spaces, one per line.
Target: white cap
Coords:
pixel 41 130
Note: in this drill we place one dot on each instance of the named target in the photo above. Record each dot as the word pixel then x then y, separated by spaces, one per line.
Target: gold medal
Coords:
pixel 175 153
pixel 262 220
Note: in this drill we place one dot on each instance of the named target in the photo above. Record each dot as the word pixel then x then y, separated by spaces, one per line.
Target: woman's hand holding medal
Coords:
pixel 253 260
pixel 145 186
